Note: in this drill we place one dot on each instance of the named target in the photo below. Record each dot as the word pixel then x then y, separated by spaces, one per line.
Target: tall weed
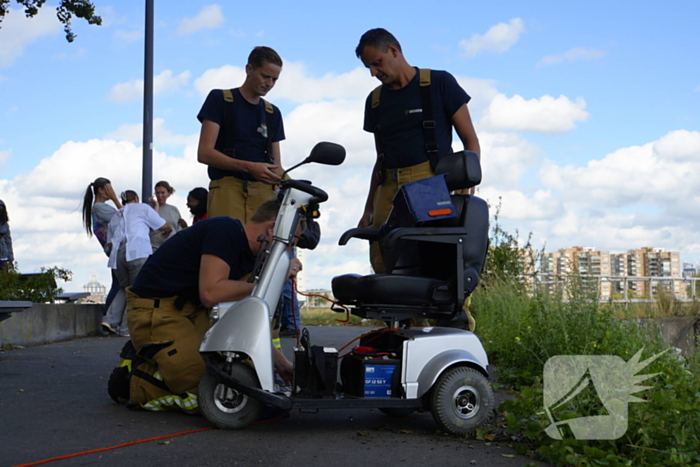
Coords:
pixel 522 327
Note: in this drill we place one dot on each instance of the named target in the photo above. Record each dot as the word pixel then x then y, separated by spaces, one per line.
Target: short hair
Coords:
pixel 200 194
pixel 262 54
pixel 166 185
pixel 379 38
pixel 268 212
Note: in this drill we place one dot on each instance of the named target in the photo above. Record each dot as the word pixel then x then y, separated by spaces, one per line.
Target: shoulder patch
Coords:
pixel 228 95
pixel 268 107
pixel 424 76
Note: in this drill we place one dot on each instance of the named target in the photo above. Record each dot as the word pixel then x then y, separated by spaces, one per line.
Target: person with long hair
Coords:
pixel 170 213
pixel 96 216
pixel 197 204
pixel 129 237
pixel 7 256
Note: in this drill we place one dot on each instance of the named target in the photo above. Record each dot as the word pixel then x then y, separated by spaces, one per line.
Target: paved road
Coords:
pixel 53 402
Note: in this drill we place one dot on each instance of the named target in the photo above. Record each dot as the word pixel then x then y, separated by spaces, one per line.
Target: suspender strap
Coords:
pixel 225 139
pixel 379 137
pixel 426 99
pixel 431 147
pixel 271 111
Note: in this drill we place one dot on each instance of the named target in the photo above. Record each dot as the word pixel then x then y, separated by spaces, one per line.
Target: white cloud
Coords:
pixel 209 17
pixel 516 205
pixel 506 157
pixel 18 32
pixel 498 38
pixel 573 55
pixel 45 203
pixel 226 77
pixel 679 145
pixel 544 115
pixel 636 196
pixel 163 83
pixel 133 132
pixel 295 83
pixel 481 91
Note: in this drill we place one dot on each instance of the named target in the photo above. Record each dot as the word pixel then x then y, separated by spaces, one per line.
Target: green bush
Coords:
pixel 37 288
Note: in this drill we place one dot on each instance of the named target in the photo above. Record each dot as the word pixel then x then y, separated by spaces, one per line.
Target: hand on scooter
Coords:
pixel 263 172
pixel 283 366
pixel 294 268
pixel 366 220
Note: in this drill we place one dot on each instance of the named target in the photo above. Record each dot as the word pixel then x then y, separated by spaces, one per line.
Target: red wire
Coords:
pixel 347 310
pixel 113 447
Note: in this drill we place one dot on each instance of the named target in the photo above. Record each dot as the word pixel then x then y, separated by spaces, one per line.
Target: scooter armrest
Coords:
pixel 427 234
pixel 364 234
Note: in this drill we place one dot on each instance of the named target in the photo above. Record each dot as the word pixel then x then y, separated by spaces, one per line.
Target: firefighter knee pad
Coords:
pixel 181 365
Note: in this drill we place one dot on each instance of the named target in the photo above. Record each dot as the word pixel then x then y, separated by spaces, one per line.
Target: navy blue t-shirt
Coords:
pixel 173 270
pixel 401 118
pixel 251 126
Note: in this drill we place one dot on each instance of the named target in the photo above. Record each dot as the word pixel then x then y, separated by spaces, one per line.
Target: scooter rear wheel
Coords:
pixel 462 400
pixel 225 407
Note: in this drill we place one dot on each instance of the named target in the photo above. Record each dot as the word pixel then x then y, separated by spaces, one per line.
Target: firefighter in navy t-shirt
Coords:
pixel 168 304
pixel 239 140
pixel 411 115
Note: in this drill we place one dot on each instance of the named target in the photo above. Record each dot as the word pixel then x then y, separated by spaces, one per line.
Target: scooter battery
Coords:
pixel 370 377
pixel 315 371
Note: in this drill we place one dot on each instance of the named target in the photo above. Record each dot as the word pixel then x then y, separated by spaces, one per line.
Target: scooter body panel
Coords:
pixel 429 351
pixel 245 329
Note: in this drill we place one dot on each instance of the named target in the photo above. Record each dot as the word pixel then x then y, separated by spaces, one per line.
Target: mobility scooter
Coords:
pixel 433 247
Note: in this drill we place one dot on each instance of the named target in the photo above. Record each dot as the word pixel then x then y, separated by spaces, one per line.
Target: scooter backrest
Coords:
pixel 462 169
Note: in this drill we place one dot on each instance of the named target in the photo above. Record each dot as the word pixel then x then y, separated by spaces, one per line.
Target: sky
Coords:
pixel 588 114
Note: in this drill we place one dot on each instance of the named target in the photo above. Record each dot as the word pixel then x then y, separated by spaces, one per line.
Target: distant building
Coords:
pixel 643 262
pixel 689 270
pixel 97 291
pixel 318 302
pixel 583 260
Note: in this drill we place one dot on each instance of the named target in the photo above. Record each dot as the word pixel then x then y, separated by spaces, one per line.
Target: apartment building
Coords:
pixel 647 262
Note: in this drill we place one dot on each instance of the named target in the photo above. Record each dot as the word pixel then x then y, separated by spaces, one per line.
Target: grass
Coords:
pixel 522 331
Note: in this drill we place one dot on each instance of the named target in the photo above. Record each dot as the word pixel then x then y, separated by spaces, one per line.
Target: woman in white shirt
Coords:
pixel 129 234
pixel 170 213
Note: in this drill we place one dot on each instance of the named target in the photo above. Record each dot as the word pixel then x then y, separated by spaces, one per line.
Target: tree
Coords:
pixel 64 12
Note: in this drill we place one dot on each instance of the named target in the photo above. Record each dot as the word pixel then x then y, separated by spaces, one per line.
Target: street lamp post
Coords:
pixel 147 172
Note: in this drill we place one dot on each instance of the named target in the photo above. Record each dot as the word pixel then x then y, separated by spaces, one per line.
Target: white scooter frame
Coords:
pixel 442 369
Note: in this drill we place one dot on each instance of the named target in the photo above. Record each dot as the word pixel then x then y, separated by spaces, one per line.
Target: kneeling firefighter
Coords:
pixel 168 308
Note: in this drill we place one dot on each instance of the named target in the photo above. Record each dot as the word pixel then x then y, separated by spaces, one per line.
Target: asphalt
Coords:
pixel 54 403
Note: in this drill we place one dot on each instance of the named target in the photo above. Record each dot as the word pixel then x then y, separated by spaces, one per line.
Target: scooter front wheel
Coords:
pixel 225 407
pixel 462 400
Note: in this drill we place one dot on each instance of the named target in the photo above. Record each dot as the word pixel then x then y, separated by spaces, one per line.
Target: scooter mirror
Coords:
pixel 327 153
pixel 323 153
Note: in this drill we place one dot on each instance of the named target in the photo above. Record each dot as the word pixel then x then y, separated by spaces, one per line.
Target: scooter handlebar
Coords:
pixel 319 196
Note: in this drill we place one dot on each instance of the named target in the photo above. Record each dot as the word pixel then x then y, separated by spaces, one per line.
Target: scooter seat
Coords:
pixel 388 289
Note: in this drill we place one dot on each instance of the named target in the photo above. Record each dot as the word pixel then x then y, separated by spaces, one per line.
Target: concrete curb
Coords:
pixel 44 323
